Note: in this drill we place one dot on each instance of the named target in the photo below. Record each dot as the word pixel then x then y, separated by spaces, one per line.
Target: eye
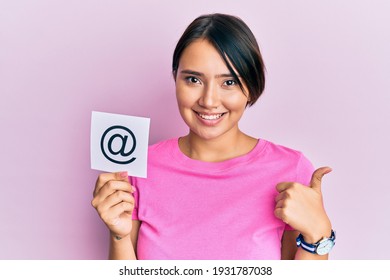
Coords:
pixel 192 80
pixel 230 83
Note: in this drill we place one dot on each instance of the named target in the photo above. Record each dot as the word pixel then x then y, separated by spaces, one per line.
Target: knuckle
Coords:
pixel 288 194
pixel 100 179
pixel 295 185
pixel 285 203
pixel 295 188
pixel 118 195
pixel 126 196
pixel 125 186
pixel 110 185
pixel 283 216
pixel 99 209
pixel 128 206
pixel 104 216
pixel 279 213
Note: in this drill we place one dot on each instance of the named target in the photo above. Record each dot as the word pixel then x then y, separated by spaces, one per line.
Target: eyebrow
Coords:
pixel 199 74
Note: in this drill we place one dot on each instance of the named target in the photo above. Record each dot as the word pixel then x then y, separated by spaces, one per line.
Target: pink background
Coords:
pixel 327 94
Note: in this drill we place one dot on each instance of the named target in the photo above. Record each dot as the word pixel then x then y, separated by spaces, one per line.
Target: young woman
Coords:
pixel 217 193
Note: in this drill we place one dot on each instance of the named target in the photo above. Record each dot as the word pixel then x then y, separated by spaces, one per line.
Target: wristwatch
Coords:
pixel 322 247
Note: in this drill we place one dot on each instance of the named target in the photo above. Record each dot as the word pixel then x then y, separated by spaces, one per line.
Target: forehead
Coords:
pixel 202 56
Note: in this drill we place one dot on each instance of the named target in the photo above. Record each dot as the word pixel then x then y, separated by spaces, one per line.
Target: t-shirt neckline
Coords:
pixel 210 167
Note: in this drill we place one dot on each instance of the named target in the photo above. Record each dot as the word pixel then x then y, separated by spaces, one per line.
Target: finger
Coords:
pixel 105 177
pixel 280 213
pixel 281 187
pixel 109 188
pixel 116 211
pixel 281 196
pixel 280 204
pixel 316 178
pixel 114 199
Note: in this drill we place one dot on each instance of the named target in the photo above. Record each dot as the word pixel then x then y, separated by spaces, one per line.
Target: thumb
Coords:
pixel 121 176
pixel 316 178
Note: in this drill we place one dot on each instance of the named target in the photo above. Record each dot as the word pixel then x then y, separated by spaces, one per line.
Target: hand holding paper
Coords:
pixel 114 202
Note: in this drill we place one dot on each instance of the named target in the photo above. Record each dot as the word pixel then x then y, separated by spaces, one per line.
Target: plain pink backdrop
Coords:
pixel 327 94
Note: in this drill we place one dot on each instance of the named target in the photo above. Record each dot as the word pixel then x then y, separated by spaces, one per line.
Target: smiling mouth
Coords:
pixel 210 116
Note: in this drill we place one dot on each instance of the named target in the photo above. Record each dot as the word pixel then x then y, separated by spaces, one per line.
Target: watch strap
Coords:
pixel 312 247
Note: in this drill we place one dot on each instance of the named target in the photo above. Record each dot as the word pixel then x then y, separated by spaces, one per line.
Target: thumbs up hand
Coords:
pixel 302 207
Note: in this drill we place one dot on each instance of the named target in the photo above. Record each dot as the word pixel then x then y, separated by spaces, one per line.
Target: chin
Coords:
pixel 208 135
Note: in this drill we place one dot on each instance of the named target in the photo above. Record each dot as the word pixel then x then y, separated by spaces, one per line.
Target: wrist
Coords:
pixel 318 233
pixel 122 249
pixel 117 237
pixel 321 247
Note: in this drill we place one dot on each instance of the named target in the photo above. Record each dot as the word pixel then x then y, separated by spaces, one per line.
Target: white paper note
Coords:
pixel 119 143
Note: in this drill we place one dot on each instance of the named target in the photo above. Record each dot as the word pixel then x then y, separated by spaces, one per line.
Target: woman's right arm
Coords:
pixel 114 202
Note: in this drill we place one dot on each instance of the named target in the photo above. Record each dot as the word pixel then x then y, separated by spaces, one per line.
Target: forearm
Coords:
pixel 121 249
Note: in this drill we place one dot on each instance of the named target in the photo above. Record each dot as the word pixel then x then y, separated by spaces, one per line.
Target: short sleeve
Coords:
pixel 133 182
pixel 304 172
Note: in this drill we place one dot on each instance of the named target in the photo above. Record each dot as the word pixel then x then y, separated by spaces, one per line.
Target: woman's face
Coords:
pixel 210 101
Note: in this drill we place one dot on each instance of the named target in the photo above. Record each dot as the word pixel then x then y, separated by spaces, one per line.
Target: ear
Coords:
pixel 248 103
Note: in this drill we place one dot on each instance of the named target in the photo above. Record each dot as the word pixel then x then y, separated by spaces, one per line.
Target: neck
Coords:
pixel 224 147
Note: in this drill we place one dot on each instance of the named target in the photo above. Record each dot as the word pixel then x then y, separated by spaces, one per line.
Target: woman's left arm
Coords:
pixel 302 208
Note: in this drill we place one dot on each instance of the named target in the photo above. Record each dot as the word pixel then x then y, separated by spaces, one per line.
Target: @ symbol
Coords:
pixel 115 154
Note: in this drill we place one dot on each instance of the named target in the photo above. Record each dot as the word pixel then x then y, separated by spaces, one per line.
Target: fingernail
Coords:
pixel 134 189
pixel 123 174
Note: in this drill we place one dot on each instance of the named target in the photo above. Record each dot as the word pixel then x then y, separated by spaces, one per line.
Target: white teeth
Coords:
pixel 210 117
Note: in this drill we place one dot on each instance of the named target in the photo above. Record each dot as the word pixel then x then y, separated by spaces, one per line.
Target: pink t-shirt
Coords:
pixel 191 209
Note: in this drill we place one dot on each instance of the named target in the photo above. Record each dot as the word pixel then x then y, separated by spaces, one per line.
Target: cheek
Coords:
pixel 185 98
pixel 236 102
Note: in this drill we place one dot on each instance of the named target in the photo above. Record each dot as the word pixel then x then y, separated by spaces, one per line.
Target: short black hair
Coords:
pixel 236 43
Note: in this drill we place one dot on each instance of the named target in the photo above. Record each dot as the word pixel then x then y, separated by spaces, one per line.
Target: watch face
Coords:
pixel 325 246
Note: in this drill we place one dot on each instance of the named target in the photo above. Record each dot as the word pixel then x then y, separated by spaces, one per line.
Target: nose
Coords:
pixel 210 98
